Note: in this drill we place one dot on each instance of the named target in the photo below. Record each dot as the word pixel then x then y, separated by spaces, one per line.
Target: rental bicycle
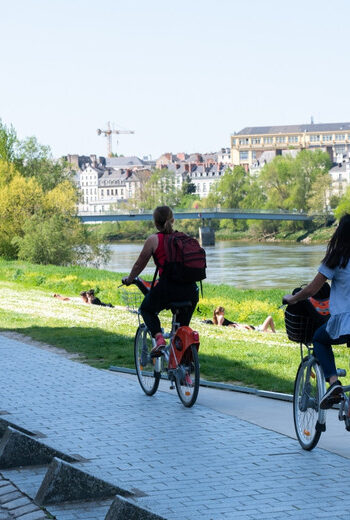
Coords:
pixel 179 360
pixel 310 384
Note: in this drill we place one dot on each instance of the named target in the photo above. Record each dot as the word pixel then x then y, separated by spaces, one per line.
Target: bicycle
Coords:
pixel 310 385
pixel 179 360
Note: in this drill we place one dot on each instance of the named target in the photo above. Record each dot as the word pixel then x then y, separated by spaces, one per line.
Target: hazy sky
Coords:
pixel 183 75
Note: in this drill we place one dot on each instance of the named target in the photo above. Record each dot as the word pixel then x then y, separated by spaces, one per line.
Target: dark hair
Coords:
pixel 163 219
pixel 91 292
pixel 83 293
pixel 338 249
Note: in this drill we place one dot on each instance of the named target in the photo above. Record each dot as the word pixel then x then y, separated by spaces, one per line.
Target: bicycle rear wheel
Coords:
pixel 147 376
pixel 309 388
pixel 187 377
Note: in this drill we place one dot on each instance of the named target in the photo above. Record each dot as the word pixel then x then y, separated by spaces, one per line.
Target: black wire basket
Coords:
pixel 300 328
pixel 132 299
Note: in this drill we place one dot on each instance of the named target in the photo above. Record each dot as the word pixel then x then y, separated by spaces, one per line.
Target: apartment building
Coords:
pixel 103 189
pixel 253 147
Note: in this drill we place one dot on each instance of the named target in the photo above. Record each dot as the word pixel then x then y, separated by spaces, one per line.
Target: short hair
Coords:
pixel 91 292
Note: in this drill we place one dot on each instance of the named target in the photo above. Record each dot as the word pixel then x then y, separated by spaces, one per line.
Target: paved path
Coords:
pixel 191 464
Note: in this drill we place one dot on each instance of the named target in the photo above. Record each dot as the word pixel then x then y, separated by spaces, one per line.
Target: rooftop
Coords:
pixel 294 129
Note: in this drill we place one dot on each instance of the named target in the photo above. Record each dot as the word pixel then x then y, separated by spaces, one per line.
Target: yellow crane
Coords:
pixel 108 133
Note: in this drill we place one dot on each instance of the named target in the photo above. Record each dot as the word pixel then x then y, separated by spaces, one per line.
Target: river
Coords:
pixel 242 264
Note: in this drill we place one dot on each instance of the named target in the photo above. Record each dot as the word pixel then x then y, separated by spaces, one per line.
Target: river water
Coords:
pixel 242 264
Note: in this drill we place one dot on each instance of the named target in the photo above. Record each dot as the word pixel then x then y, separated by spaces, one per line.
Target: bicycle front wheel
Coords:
pixel 187 377
pixel 147 376
pixel 309 388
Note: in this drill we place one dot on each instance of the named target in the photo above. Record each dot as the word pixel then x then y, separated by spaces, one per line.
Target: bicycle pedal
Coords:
pixel 172 387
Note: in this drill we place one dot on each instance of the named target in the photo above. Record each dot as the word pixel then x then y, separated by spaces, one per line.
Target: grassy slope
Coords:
pixel 105 336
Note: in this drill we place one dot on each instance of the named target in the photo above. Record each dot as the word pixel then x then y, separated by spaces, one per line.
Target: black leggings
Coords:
pixel 161 295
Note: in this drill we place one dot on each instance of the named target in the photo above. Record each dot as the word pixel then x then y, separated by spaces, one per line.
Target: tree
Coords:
pixel 35 160
pixel 8 142
pixel 20 199
pixel 231 189
pixel 343 207
pixel 188 188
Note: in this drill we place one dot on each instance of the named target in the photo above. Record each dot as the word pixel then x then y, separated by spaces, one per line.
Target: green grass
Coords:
pixel 104 336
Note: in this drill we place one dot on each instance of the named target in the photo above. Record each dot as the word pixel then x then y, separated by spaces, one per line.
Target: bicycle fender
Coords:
pixel 183 339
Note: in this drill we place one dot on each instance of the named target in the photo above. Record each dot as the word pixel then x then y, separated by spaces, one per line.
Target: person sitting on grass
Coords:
pixel 84 296
pixel 219 319
pixel 93 300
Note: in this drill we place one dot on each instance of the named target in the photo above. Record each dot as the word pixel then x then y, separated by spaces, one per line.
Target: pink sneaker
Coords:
pixel 160 344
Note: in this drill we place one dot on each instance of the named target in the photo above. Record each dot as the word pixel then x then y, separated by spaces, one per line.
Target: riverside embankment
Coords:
pixel 104 336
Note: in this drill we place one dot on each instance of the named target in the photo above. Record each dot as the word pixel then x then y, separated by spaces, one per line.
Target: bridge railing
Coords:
pixel 202 211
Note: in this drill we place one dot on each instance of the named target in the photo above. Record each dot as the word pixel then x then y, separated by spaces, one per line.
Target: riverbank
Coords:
pixel 104 336
pixel 116 233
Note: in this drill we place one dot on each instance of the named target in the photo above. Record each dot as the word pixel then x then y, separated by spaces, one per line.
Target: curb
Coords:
pixel 222 386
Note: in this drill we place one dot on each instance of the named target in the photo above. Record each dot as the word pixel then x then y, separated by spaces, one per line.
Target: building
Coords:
pixel 202 170
pixel 105 187
pixel 253 147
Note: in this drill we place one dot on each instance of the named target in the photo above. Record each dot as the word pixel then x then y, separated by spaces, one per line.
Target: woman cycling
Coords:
pixel 336 267
pixel 166 291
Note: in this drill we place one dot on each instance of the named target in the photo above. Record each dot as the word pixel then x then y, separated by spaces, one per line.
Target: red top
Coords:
pixel 159 254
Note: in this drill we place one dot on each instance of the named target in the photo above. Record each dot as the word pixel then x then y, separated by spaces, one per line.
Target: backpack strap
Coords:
pixel 154 278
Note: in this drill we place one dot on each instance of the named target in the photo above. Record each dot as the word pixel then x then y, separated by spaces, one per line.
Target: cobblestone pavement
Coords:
pixel 190 463
pixel 14 504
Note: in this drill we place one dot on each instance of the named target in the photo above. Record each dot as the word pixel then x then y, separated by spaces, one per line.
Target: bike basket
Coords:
pixel 132 299
pixel 299 328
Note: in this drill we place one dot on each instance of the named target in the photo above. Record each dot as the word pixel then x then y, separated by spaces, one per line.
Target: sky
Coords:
pixel 182 75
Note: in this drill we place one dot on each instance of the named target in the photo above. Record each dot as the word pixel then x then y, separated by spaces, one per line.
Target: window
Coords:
pixel 107 192
pixel 327 137
pixel 234 141
pixel 314 138
pixel 243 156
pixel 244 141
pixel 280 139
pixel 340 148
pixel 340 137
pixel 293 139
pixel 268 140
pixel 253 154
pixel 256 140
pixel 102 192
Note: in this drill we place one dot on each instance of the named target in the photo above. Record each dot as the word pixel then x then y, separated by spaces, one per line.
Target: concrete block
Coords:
pixel 19 449
pixel 65 483
pixel 123 508
pixel 206 236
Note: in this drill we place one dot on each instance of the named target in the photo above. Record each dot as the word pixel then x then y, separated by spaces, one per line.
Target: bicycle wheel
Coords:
pixel 187 377
pixel 147 376
pixel 309 388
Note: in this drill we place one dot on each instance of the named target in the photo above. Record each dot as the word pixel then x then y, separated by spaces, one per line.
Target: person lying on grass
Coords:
pixel 219 319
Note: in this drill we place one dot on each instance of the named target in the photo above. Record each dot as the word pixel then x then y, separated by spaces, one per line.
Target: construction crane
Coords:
pixel 108 133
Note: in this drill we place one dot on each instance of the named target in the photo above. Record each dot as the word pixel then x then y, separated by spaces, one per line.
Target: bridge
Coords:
pixel 199 214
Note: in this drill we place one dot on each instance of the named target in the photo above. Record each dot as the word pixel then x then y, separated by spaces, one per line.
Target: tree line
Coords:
pixel 38 206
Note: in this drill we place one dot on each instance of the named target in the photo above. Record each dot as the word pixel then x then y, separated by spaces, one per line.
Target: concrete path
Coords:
pixel 188 464
pixel 271 414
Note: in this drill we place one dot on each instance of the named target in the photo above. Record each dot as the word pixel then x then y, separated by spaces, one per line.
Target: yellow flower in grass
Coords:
pixel 69 278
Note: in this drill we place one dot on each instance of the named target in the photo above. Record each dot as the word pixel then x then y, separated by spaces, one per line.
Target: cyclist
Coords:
pixel 166 291
pixel 335 266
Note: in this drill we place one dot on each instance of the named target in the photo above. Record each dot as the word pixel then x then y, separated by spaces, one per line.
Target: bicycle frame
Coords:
pixel 178 359
pixel 183 337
